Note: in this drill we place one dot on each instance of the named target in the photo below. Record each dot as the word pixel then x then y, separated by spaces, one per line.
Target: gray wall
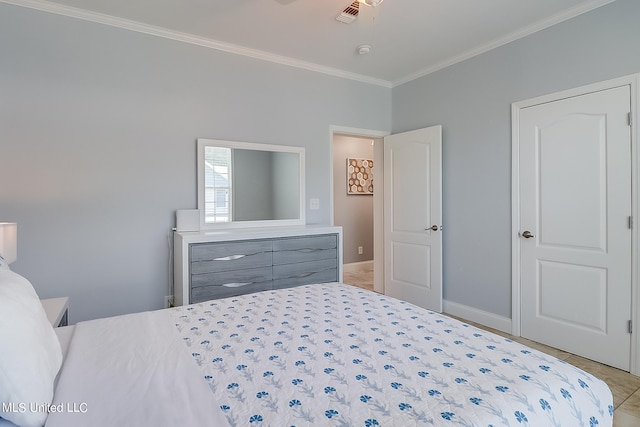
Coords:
pixel 353 212
pixel 472 101
pixel 98 129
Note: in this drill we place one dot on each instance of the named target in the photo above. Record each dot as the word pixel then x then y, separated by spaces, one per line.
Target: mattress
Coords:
pixel 327 354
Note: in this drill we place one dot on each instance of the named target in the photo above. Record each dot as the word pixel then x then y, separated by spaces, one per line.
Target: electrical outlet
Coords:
pixel 359 250
pixel 314 204
pixel 168 301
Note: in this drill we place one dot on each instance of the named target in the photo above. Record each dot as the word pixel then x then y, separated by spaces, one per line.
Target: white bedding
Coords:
pixel 326 355
pixel 131 370
pixel 64 335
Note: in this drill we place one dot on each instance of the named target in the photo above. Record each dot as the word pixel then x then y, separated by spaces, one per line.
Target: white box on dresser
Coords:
pixel 218 263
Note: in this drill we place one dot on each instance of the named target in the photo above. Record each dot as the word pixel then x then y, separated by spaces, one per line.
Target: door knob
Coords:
pixel 527 234
pixel 432 228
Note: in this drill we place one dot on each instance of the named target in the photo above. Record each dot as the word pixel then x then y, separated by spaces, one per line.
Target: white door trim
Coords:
pixel 378 196
pixel 634 82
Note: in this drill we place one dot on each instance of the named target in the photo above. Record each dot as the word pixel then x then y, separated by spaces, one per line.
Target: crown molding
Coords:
pixel 100 18
pixel 521 33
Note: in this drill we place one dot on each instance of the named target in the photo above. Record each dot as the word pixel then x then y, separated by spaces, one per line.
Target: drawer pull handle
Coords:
pixel 310 273
pixel 302 276
pixel 308 250
pixel 229 258
pixel 236 284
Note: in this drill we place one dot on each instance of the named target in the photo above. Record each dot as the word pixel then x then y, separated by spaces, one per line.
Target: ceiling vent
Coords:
pixel 350 13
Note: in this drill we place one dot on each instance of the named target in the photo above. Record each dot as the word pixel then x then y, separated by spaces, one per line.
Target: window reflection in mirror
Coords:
pixel 244 184
pixel 217 184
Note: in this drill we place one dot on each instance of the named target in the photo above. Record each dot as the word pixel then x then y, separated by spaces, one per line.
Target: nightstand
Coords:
pixel 57 310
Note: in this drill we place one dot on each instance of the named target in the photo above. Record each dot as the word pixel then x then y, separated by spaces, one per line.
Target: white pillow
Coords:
pixel 30 354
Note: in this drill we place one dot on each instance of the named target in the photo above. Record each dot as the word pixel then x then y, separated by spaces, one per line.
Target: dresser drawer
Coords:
pixel 214 257
pixel 206 293
pixel 302 249
pixel 230 283
pixel 305 273
pixel 228 278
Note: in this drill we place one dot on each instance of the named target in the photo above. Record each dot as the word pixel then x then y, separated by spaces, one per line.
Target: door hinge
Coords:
pixel 630 222
pixel 630 118
pixel 630 326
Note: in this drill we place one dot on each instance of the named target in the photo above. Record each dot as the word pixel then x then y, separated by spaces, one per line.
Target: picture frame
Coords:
pixel 359 176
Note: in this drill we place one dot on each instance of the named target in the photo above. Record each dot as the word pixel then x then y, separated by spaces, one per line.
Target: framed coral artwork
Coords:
pixel 359 176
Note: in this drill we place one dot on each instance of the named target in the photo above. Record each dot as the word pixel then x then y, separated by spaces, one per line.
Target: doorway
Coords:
pixel 407 280
pixel 353 181
pixel 368 266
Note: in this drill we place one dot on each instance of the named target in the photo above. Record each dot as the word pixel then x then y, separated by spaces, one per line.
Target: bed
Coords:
pixel 322 355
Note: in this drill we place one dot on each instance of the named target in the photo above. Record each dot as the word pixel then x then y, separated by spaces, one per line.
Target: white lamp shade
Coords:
pixel 9 241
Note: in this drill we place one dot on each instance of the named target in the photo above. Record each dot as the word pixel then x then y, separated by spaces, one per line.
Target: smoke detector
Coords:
pixel 363 49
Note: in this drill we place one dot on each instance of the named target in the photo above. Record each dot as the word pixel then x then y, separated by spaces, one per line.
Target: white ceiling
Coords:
pixel 409 38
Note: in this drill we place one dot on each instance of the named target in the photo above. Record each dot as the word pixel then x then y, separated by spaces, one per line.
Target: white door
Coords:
pixel 575 236
pixel 413 217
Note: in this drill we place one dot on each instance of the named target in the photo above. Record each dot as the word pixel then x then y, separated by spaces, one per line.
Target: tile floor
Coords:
pixel 624 386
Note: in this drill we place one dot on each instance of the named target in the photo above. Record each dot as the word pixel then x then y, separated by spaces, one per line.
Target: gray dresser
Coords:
pixel 211 265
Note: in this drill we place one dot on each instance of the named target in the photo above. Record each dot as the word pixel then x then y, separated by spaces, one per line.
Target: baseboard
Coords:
pixel 356 267
pixel 471 314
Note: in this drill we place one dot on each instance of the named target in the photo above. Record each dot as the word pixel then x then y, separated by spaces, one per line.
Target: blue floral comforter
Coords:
pixel 336 355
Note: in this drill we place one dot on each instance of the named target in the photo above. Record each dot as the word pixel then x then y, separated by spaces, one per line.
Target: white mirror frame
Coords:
pixel 203 142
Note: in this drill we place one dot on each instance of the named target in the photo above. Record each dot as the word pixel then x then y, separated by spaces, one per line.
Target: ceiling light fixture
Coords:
pixel 372 3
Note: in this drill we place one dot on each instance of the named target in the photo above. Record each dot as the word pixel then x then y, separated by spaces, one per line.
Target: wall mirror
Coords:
pixel 243 184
